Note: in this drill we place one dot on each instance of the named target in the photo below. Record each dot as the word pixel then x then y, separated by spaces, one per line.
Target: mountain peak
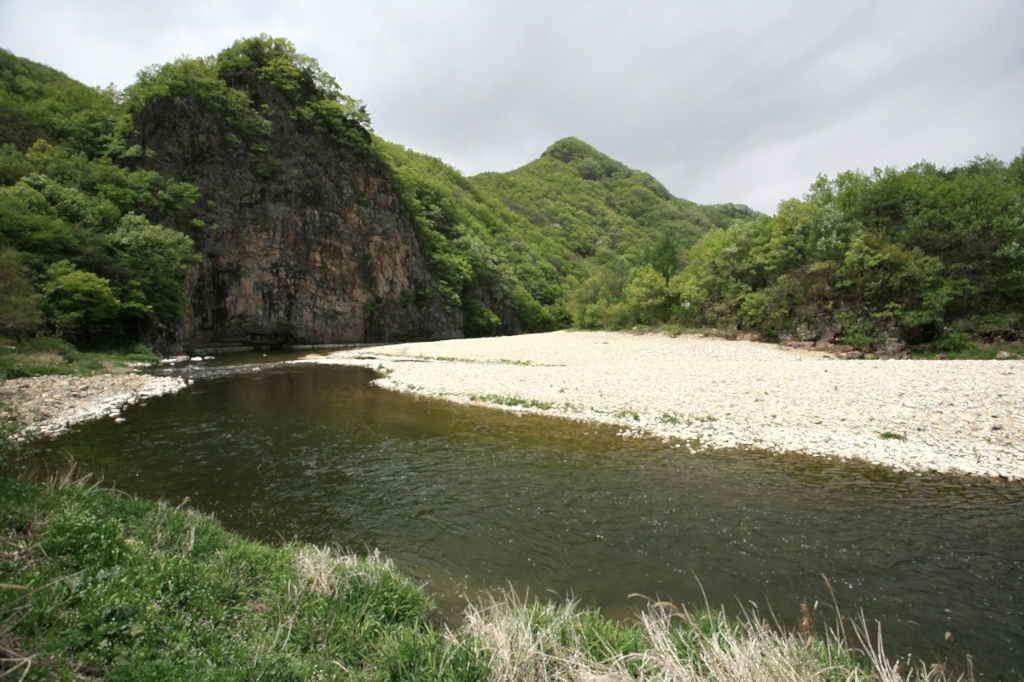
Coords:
pixel 588 162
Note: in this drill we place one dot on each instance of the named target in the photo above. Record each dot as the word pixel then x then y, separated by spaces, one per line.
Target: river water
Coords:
pixel 467 498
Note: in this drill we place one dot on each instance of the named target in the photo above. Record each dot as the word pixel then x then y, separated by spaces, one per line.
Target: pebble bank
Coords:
pixel 48 405
pixel 704 393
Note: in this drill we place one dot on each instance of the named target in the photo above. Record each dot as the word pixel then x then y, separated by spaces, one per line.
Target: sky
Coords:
pixel 725 101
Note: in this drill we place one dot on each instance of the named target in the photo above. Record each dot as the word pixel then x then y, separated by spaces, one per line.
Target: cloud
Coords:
pixel 734 101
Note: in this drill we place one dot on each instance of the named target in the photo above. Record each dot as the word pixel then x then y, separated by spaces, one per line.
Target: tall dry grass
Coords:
pixel 527 641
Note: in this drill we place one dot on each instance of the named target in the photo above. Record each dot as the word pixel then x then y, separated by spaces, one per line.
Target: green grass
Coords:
pixel 889 435
pixel 99 585
pixel 537 641
pixel 512 401
pixel 96 584
pixel 49 355
pixel 971 351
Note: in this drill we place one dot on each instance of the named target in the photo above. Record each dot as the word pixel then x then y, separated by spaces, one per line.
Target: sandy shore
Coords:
pixel 706 393
pixel 48 405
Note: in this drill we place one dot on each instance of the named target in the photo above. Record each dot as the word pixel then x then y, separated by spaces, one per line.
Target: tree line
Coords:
pixel 96 249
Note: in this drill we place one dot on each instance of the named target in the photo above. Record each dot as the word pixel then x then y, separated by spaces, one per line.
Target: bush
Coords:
pixel 78 303
pixel 19 303
pixel 954 342
pixel 49 344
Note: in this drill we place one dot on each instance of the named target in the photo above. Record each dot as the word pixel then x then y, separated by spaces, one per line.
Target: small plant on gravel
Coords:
pixel 889 435
pixel 668 418
pixel 10 427
pixel 955 341
pixel 512 401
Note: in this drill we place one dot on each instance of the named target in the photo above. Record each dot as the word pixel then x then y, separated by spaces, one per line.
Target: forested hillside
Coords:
pixel 550 244
pixel 618 223
pixel 920 255
pixel 503 273
pixel 107 208
pixel 83 251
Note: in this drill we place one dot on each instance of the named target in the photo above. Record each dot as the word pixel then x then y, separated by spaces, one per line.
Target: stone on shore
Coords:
pixel 49 405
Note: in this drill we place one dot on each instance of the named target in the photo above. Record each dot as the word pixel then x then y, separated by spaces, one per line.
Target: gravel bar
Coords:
pixel 48 405
pixel 706 393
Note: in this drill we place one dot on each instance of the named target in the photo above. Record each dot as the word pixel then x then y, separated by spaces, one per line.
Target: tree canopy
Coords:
pixel 97 249
pixel 913 253
pixel 83 233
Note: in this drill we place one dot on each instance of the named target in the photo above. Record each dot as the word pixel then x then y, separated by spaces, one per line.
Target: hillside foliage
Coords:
pixel 95 249
pixel 487 259
pixel 556 242
pixel 82 240
pixel 924 254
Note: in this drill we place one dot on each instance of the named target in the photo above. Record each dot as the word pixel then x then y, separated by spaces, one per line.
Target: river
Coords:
pixel 465 499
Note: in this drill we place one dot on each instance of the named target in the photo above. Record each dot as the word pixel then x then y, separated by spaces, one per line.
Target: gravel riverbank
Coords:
pixel 48 405
pixel 706 393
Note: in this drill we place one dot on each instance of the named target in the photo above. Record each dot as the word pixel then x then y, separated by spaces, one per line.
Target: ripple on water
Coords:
pixel 467 498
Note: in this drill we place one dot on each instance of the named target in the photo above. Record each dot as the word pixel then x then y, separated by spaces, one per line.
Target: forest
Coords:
pixel 96 249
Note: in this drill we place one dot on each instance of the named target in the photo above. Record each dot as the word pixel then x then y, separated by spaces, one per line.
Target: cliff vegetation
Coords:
pixel 242 199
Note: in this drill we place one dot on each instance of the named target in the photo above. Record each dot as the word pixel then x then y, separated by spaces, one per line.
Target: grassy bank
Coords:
pixel 98 585
pixel 95 584
pixel 49 355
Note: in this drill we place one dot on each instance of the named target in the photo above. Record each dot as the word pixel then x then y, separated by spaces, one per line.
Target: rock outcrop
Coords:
pixel 311 243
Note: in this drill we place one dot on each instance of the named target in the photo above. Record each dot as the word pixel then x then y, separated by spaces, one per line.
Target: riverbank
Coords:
pixel 49 405
pixel 706 393
pixel 100 585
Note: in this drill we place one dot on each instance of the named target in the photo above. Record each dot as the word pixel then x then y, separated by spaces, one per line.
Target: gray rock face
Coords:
pixel 312 244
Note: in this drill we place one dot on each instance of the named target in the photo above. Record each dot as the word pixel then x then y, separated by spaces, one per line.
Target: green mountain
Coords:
pixel 241 199
pixel 514 249
pixel 610 218
pixel 597 207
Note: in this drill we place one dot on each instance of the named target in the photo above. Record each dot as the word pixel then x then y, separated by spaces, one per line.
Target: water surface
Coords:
pixel 466 498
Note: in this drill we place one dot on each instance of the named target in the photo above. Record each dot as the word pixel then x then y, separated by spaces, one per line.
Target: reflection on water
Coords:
pixel 468 498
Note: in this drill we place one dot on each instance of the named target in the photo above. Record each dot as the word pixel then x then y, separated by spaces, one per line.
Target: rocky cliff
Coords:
pixel 306 240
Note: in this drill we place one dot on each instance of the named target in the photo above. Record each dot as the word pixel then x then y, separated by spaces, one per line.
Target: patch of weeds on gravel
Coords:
pixel 668 418
pixel 476 361
pixel 889 435
pixel 511 401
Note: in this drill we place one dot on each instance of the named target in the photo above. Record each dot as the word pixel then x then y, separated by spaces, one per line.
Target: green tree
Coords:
pixel 156 260
pixel 20 313
pixel 79 305
pixel 665 257
pixel 647 295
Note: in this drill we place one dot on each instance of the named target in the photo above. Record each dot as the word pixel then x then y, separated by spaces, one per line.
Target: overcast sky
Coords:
pixel 722 101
